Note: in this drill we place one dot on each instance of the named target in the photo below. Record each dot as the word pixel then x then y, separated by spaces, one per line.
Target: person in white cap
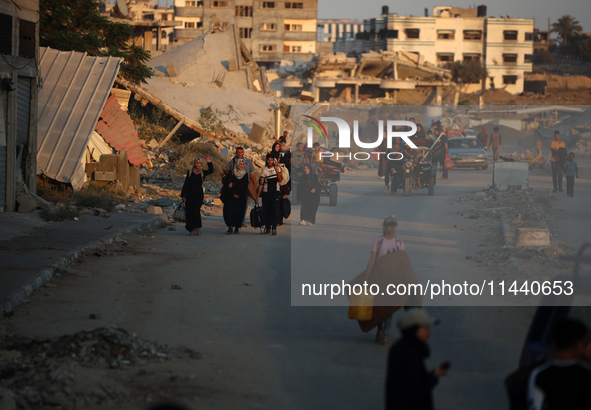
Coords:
pixel 409 386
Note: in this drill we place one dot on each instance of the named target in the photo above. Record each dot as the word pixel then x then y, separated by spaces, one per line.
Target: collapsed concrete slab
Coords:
pixel 375 74
pixel 215 70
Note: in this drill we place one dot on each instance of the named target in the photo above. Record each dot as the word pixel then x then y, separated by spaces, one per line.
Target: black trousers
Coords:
pixel 570 185
pixel 271 206
pixel 556 175
pixel 396 178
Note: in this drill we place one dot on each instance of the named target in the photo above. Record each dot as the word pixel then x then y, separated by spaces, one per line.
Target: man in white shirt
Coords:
pixel 269 188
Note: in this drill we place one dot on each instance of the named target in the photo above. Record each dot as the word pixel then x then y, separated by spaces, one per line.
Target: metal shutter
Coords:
pixel 24 110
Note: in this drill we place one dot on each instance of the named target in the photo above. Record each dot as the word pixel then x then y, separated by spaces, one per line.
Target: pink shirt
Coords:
pixel 388 245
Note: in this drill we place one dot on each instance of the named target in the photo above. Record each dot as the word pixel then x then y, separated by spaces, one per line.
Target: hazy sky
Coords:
pixel 540 10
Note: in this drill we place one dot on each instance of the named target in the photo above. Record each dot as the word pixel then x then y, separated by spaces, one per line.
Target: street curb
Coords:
pixel 21 294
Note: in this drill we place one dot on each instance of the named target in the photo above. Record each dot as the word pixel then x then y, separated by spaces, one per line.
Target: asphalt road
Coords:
pixel 235 305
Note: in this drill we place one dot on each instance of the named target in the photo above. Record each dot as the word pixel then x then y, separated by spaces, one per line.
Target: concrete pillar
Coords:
pixel 316 91
pixel 356 93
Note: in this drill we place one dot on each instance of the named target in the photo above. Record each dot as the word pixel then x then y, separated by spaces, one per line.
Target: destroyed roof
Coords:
pixel 205 57
pixel 74 90
pixel 374 65
pixel 184 82
pixel 118 129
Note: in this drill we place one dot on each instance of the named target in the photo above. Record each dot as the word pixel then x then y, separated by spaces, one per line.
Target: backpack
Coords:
pixel 258 219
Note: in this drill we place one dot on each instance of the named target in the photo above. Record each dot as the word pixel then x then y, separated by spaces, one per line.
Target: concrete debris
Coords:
pixel 518 231
pixel 154 210
pixel 26 203
pixel 48 373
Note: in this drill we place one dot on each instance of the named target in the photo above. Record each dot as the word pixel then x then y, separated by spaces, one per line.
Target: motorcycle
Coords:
pixel 417 173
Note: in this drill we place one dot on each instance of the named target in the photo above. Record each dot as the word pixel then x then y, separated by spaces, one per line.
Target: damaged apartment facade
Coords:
pixel 19 46
pixel 272 30
pixel 374 75
pixel 503 45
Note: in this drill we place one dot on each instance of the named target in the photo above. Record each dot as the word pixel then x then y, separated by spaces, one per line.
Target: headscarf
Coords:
pixel 309 180
pixel 421 133
pixel 237 172
pixel 275 154
pixel 196 170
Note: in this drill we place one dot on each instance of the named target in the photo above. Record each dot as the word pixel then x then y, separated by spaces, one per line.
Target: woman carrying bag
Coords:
pixel 382 246
pixel 236 194
pixel 309 196
pixel 192 194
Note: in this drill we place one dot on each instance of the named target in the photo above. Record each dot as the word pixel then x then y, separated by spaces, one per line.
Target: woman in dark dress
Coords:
pixel 192 194
pixel 276 151
pixel 309 196
pixel 236 194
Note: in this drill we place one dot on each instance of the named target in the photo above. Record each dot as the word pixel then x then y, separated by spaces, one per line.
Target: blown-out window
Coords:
pixel 26 39
pixel 510 35
pixel 267 48
pixel 244 11
pixel 446 35
pixel 5 34
pixel 445 57
pixel 268 27
pixel 509 58
pixel 471 57
pixel 509 79
pixel 472 35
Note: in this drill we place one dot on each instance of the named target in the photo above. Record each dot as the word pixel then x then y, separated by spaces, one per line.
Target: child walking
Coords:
pixel 570 170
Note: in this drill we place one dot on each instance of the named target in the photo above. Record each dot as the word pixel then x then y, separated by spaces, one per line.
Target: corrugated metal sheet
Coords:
pixel 117 128
pixel 74 91
pixel 24 110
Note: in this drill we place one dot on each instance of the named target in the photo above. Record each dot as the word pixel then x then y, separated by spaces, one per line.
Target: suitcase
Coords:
pixel 258 218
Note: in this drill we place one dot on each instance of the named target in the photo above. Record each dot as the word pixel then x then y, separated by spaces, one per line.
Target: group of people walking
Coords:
pixel 239 183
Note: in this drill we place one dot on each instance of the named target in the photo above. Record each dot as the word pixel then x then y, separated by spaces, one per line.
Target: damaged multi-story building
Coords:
pixel 373 75
pixel 271 30
pixel 504 45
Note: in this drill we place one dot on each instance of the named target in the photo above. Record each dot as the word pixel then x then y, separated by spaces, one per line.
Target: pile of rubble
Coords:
pixel 502 213
pixel 42 373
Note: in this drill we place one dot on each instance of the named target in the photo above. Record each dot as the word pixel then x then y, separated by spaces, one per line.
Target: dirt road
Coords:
pixel 228 300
